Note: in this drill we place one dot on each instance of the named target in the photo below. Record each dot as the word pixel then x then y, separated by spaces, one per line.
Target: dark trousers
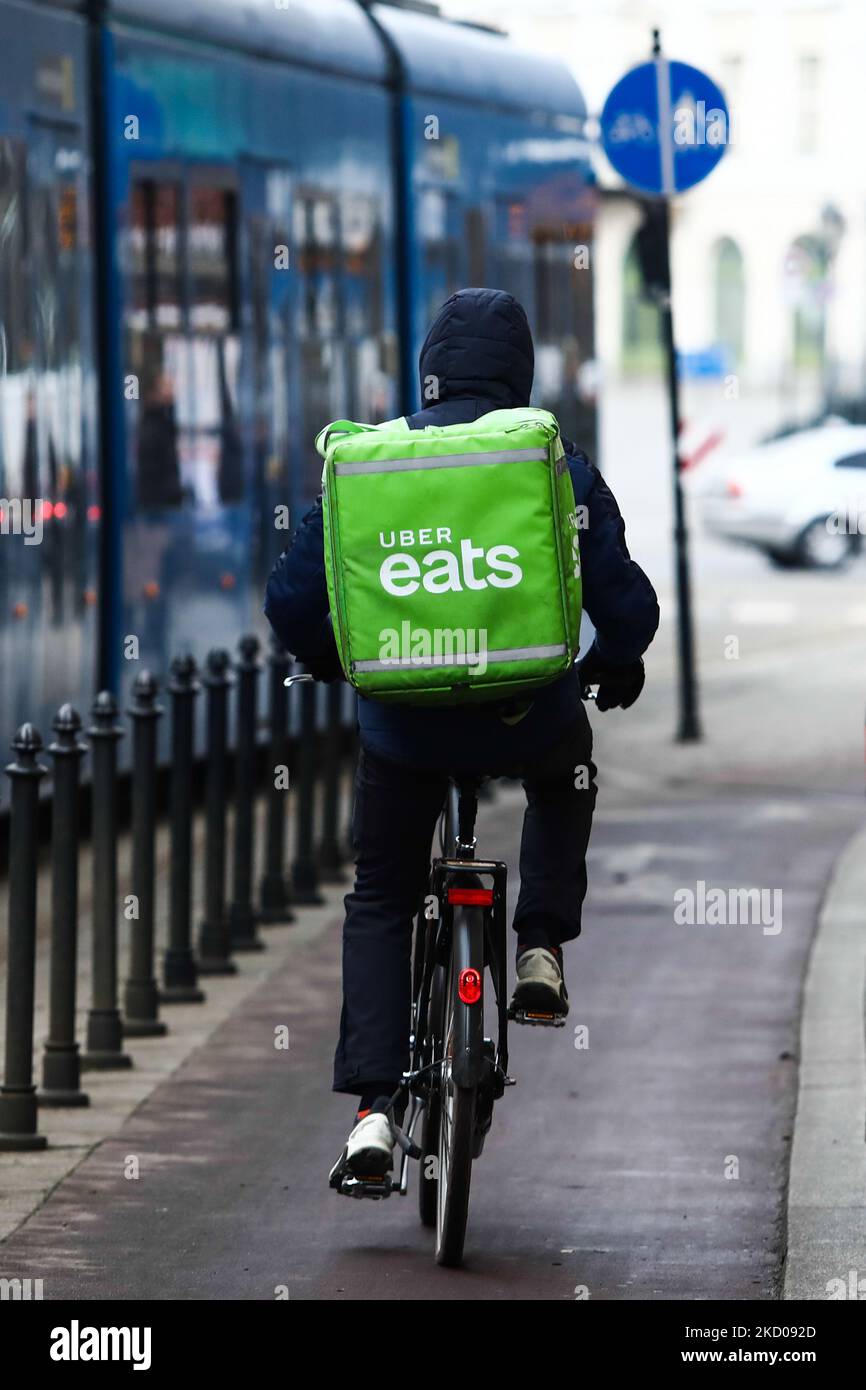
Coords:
pixel 395 814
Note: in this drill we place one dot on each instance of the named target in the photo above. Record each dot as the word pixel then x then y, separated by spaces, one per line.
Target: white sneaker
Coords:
pixel 540 994
pixel 369 1151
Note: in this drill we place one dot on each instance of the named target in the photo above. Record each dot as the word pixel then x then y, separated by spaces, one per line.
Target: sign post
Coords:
pixel 664 127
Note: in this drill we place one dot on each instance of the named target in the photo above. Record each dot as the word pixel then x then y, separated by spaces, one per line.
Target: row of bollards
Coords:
pixel 227 926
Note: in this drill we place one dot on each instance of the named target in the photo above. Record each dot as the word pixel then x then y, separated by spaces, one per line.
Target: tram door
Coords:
pixel 186 539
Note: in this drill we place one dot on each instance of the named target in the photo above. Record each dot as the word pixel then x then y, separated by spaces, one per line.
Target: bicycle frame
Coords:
pixel 455 874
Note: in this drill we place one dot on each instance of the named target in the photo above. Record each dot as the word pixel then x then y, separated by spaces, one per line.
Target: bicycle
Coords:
pixel 456 1074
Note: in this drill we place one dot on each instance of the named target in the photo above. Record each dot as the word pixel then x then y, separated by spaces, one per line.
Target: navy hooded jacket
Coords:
pixel 478 356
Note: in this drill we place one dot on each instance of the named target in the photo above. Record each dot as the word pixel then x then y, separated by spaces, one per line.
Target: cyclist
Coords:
pixel 478 356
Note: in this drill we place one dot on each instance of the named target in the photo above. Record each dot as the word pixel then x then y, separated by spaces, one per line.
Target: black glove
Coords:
pixel 325 666
pixel 618 686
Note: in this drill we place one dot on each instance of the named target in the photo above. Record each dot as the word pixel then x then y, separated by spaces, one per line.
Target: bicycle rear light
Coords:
pixel 469 986
pixel 471 897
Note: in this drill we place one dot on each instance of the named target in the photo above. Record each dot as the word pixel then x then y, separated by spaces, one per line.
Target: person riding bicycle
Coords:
pixel 478 357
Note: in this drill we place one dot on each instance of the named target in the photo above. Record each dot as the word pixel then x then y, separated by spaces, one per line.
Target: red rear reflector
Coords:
pixel 469 986
pixel 471 897
pixel 733 488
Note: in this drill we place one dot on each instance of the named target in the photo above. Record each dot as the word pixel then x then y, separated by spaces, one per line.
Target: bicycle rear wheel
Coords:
pixel 462 1032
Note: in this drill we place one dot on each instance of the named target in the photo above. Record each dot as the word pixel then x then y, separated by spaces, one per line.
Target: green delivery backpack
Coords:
pixel 451 556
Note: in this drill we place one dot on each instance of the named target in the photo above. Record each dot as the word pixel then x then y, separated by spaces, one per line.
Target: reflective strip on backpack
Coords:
pixel 444 461
pixel 464 658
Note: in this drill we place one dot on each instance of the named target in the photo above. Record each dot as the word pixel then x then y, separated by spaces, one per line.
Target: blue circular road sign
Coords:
pixel 665 126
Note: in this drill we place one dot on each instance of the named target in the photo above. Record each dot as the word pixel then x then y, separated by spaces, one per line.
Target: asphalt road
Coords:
pixel 609 1168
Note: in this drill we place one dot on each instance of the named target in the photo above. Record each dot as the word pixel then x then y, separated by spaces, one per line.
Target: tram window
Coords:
pixel 564 284
pixel 371 386
pixel 512 258
pixel 210 251
pixel 324 231
pixel 17 399
pixel 557 281
pixel 316 238
pixel 321 328
pixel 438 223
pixel 563 305
pixel 157 444
pixel 16 339
pixel 166 256
pixel 475 236
pixel 362 264
pixel 152 302
pixel 136 245
pixel 183 349
pixel 152 251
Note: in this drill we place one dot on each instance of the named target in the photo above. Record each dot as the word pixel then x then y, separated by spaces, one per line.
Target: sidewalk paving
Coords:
pixel 827 1188
pixel 26 1179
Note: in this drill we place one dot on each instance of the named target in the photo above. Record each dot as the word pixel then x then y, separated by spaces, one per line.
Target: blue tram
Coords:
pixel 223 223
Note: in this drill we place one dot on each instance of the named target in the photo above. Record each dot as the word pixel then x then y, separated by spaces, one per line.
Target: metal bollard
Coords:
pixel 305 877
pixel 242 917
pixel 104 1028
pixel 214 937
pixel 330 853
pixel 61 1067
pixel 141 997
pixel 18 1109
pixel 274 887
pixel 181 978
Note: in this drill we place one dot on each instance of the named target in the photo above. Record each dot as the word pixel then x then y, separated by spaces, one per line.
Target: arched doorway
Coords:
pixel 806 279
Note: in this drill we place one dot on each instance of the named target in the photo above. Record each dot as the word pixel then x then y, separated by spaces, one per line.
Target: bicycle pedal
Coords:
pixel 534 1019
pixel 376 1188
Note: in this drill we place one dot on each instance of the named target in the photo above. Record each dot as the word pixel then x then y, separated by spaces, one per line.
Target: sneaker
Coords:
pixel 540 994
pixel 369 1151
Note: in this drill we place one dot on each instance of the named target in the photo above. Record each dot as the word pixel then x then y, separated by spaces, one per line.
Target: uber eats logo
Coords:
pixel 441 571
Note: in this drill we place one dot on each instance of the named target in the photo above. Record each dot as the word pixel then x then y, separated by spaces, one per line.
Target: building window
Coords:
pixel 641 346
pixel 732 91
pixel 806 270
pixel 729 290
pixel 809 103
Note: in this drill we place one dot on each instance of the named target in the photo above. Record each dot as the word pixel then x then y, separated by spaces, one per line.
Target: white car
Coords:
pixel 801 499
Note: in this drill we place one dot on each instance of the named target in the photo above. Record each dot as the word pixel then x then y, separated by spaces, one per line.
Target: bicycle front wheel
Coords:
pixel 462 1031
pixel 428 1186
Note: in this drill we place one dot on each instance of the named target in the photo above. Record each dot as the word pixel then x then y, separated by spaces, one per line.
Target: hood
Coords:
pixel 479 345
